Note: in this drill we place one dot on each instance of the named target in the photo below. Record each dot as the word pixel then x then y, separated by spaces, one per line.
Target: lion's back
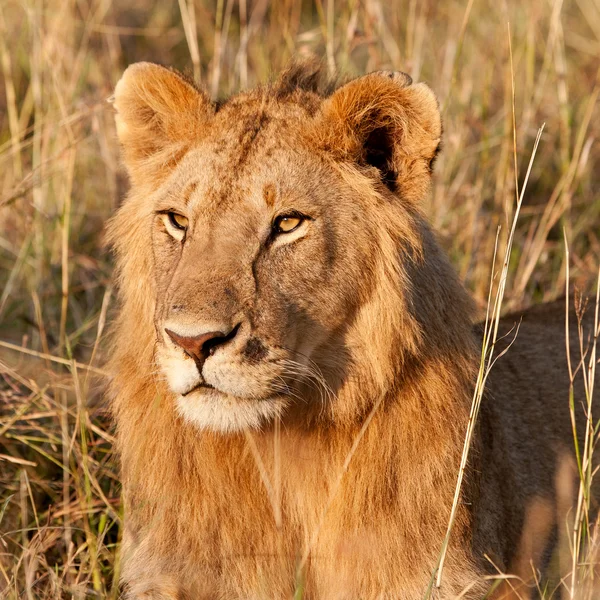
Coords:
pixel 527 444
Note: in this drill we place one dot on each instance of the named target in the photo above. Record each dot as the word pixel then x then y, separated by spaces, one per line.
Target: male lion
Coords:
pixel 295 358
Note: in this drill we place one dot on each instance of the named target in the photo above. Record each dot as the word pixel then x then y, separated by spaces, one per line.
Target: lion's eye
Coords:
pixel 178 221
pixel 287 223
pixel 175 224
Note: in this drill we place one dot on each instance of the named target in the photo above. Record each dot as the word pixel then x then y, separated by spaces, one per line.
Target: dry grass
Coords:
pixel 60 178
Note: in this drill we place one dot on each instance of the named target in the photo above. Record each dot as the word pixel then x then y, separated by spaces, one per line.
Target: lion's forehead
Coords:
pixel 247 130
pixel 210 192
pixel 251 164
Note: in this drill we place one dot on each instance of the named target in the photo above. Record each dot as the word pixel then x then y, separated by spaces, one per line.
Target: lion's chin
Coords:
pixel 212 410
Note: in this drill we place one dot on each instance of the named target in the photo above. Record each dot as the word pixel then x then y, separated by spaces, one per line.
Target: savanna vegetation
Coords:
pixel 501 70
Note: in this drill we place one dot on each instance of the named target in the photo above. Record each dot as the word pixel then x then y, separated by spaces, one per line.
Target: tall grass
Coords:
pixel 60 178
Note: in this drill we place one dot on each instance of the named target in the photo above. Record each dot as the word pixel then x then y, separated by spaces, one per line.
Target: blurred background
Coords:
pixel 60 179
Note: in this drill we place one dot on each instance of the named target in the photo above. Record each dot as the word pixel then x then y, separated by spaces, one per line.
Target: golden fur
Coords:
pixel 324 453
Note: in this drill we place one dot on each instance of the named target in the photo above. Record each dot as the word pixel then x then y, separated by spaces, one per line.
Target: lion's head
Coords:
pixel 271 250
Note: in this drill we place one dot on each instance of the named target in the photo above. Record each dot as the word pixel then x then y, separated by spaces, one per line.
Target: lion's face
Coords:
pixel 263 251
pixel 245 264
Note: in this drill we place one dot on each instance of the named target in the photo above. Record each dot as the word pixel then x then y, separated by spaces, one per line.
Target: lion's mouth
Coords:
pixel 199 386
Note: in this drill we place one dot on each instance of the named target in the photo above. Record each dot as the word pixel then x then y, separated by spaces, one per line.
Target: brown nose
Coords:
pixel 200 347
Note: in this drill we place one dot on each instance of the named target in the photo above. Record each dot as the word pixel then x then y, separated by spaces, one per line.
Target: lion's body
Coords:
pixel 261 480
pixel 527 462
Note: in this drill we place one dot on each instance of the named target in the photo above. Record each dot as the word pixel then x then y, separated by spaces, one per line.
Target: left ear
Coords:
pixel 159 115
pixel 386 122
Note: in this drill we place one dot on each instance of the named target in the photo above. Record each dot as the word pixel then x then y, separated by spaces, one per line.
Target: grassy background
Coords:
pixel 60 178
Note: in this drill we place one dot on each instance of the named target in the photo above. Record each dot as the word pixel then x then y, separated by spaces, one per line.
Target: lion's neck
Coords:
pixel 332 495
pixel 401 457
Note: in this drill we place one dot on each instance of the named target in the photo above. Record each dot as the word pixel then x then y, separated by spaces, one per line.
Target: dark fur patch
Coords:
pixel 252 127
pixel 304 76
pixel 435 157
pixel 379 149
pixel 269 194
pixel 188 191
pixel 303 82
pixel 255 350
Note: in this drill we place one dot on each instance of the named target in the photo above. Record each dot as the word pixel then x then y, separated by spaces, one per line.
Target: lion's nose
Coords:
pixel 200 347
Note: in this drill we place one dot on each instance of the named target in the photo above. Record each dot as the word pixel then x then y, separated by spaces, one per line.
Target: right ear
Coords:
pixel 159 115
pixel 384 121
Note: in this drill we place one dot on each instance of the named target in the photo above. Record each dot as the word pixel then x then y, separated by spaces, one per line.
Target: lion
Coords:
pixel 294 356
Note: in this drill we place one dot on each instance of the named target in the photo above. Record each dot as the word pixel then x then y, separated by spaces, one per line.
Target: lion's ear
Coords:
pixel 159 114
pixel 383 120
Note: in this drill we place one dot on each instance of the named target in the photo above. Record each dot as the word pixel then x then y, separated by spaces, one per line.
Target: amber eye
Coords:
pixel 178 221
pixel 287 223
pixel 175 224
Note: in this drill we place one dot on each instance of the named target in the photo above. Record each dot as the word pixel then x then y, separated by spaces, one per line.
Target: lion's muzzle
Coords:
pixel 200 347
